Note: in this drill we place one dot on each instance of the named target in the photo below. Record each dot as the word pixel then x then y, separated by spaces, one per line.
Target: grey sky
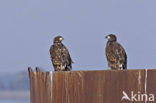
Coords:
pixel 27 28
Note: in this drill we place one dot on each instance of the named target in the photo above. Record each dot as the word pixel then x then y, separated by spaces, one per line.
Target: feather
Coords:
pixel 115 53
pixel 60 56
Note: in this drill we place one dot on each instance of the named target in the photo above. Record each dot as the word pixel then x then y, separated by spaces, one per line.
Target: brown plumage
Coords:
pixel 60 56
pixel 115 53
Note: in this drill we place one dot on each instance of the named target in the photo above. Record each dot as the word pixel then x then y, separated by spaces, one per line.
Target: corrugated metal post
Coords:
pixel 105 86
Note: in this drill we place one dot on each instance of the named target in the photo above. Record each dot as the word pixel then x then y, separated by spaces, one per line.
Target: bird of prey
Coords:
pixel 115 53
pixel 60 56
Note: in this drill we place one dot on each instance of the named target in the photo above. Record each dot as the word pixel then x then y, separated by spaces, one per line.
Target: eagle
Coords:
pixel 60 56
pixel 115 53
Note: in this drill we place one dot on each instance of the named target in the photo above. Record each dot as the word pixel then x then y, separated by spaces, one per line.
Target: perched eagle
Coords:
pixel 115 53
pixel 60 56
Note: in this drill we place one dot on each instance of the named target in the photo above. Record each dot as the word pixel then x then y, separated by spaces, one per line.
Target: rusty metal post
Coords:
pixel 105 86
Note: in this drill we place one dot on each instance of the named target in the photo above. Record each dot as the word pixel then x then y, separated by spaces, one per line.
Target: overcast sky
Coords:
pixel 27 29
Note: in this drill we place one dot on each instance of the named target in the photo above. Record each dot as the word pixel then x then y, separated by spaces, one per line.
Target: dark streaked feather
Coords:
pixel 60 57
pixel 116 55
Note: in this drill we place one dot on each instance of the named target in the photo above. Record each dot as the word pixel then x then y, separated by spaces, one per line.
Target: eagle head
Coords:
pixel 58 39
pixel 111 37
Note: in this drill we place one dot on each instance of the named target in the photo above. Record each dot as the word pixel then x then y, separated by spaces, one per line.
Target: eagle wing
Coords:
pixel 116 56
pixel 66 59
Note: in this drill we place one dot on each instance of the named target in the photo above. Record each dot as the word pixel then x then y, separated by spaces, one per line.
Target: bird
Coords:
pixel 60 56
pixel 115 54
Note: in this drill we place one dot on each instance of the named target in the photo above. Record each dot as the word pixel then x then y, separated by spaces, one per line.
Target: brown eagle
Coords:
pixel 115 53
pixel 60 56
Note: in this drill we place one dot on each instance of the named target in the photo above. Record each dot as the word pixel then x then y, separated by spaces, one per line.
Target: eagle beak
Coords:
pixel 107 37
pixel 61 39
